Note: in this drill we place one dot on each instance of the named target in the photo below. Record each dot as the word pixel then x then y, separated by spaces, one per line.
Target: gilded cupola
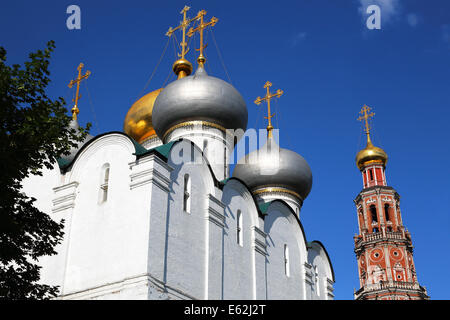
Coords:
pixel 138 121
pixel 370 154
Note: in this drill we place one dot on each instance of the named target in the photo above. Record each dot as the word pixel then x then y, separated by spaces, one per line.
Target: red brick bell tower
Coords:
pixel 383 247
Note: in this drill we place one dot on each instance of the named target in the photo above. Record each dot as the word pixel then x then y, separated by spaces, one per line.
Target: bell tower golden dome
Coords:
pixel 370 154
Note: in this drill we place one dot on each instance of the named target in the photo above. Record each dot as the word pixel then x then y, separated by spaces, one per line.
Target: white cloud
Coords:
pixel 446 33
pixel 412 19
pixel 389 8
pixel 300 36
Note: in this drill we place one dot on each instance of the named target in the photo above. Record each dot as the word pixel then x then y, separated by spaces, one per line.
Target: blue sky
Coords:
pixel 328 64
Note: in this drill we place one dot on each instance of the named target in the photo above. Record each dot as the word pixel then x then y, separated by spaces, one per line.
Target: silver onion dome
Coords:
pixel 199 97
pixel 73 150
pixel 265 168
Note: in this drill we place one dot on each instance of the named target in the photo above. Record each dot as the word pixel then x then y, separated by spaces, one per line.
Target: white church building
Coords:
pixel 154 213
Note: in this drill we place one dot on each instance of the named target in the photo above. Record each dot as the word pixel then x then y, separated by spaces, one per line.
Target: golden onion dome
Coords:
pixel 138 121
pixel 370 154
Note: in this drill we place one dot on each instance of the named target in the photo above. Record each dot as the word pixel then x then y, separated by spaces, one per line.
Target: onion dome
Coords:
pixel 263 168
pixel 370 154
pixel 138 121
pixel 74 150
pixel 199 97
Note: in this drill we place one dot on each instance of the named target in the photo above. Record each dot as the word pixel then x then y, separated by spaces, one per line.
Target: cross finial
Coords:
pixel 201 26
pixel 365 115
pixel 75 110
pixel 183 26
pixel 267 98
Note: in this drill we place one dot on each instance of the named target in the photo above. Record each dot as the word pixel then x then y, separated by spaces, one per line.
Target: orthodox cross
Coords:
pixel 75 109
pixel 267 98
pixel 365 115
pixel 202 25
pixel 183 25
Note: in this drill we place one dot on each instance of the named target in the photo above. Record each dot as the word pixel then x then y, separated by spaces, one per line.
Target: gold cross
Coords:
pixel 201 59
pixel 267 98
pixel 75 109
pixel 184 24
pixel 365 115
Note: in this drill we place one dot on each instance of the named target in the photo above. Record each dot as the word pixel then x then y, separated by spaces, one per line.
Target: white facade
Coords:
pixel 153 227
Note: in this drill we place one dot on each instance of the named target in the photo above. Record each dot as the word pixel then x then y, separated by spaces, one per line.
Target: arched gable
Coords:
pixel 244 192
pixel 112 140
pixel 317 248
pixel 186 152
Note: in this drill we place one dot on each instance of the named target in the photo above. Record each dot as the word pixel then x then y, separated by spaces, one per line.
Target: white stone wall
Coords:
pixel 212 142
pixel 282 229
pixel 141 244
pixel 240 259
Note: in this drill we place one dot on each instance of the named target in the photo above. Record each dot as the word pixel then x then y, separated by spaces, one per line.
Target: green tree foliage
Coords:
pixel 34 132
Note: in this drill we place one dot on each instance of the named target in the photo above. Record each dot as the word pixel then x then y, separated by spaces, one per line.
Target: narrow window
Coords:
pixel 371 174
pixel 386 211
pixel 286 260
pixel 239 227
pixel 205 145
pixel 224 163
pixel 104 183
pixel 187 194
pixel 373 212
pixel 375 230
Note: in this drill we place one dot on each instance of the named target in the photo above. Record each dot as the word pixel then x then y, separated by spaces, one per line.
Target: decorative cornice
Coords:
pixel 216 211
pixel 149 176
pixel 66 198
pixel 259 241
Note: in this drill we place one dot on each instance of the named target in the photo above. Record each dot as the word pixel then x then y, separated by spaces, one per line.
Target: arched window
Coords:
pixel 373 212
pixel 187 194
pixel 205 145
pixel 316 280
pixel 386 211
pixel 286 260
pixel 104 183
pixel 239 227
pixel 224 163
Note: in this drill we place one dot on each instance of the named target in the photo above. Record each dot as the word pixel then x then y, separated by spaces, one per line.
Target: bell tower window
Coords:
pixel 386 212
pixel 373 212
